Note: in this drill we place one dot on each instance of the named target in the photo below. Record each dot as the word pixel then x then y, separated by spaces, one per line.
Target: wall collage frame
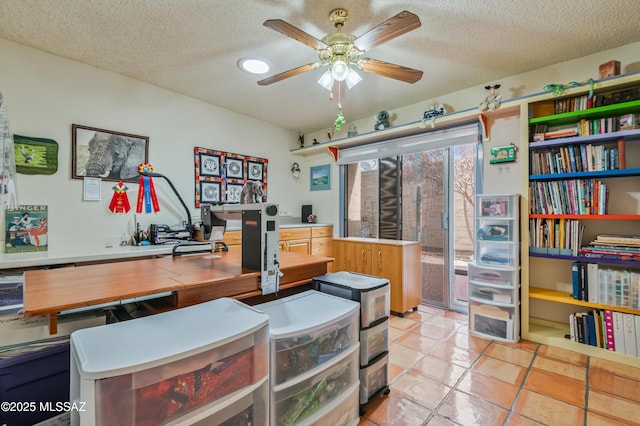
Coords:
pixel 220 175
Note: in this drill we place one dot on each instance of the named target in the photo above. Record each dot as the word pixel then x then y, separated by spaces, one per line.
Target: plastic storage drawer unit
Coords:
pixel 307 330
pixel 180 366
pixel 371 292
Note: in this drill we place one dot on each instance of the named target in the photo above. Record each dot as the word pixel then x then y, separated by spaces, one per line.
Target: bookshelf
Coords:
pixel 564 133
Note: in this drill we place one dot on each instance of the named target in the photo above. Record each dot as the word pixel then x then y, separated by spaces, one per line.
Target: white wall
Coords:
pixel 504 178
pixel 46 94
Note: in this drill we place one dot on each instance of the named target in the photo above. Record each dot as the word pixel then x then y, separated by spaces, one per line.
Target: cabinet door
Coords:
pixel 352 256
pixel 400 264
pixel 299 246
pixel 322 246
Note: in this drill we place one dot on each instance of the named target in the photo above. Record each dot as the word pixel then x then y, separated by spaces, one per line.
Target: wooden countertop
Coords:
pixel 50 291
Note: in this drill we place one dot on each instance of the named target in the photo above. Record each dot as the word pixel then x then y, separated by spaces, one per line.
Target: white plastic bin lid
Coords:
pixel 305 311
pixel 123 347
pixel 354 281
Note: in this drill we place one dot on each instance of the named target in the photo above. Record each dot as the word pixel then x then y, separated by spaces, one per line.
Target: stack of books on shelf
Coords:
pixel 555 236
pixel 613 246
pixel 579 158
pixel 605 286
pixel 571 196
pixel 607 329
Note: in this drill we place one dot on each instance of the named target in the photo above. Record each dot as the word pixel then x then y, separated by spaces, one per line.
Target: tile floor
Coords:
pixel 440 375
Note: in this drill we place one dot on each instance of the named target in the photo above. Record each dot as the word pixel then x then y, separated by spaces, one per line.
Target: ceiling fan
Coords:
pixel 343 52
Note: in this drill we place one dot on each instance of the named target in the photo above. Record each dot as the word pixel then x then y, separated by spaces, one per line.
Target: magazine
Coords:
pixel 27 229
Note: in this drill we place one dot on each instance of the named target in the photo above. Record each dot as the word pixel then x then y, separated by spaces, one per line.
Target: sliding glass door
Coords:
pixel 424 196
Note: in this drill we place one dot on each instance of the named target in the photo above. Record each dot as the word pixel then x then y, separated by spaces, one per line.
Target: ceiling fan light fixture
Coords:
pixel 339 70
pixel 326 80
pixel 353 78
pixel 253 65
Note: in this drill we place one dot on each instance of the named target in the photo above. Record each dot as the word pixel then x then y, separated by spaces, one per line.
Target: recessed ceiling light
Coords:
pixel 254 66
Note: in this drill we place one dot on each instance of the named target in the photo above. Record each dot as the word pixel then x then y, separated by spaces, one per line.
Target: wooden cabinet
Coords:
pixel 322 241
pixel 397 261
pixel 233 240
pixel 295 240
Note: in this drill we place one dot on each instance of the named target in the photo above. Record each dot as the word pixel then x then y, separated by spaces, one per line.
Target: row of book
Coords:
pixel 597 126
pixel 607 329
pixel 571 196
pixel 583 102
pixel 555 236
pixel 605 285
pixel 613 246
pixel 578 158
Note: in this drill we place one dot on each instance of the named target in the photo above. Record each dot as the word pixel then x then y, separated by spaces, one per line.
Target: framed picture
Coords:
pixel 209 165
pixel 112 156
pixel 320 177
pixel 254 170
pixel 35 155
pixel 210 192
pixel 235 168
pixel 234 190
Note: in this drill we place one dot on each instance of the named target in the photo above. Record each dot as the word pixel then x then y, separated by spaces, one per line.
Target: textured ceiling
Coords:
pixel 192 46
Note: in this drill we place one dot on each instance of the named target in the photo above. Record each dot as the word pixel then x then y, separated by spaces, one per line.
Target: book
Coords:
pixel 592 282
pixel 27 229
pixel 618 332
pixel 608 326
pixel 630 340
pixel 637 325
pixel 591 329
pixel 575 280
pixel 622 162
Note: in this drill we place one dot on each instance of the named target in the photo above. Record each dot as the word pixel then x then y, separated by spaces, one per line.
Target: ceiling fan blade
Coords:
pixel 393 27
pixel 286 74
pixel 295 33
pixel 386 69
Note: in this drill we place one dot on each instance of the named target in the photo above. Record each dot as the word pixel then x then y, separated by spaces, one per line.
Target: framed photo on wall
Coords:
pixel 112 156
pixel 320 177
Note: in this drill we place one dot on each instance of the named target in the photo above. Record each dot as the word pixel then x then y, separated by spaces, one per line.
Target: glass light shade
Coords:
pixel 326 80
pixel 254 66
pixel 340 70
pixel 353 78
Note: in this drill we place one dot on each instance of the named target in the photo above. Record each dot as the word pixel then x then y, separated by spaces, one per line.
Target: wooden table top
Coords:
pixel 49 291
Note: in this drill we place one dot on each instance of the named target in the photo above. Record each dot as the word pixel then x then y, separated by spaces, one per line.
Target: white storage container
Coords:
pixel 492 320
pixel 308 399
pixel 374 378
pixel 307 330
pixel 373 342
pixel 176 367
pixel 372 293
pixel 494 275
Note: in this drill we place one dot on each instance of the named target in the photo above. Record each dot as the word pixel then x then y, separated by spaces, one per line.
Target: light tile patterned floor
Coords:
pixel 442 376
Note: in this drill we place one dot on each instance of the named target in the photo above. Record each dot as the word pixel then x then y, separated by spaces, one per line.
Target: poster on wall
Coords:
pixel 220 175
pixel 27 229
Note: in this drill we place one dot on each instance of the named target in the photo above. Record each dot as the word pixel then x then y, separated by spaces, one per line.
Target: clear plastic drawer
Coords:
pixel 293 404
pixel 493 275
pixel 374 378
pixel 373 342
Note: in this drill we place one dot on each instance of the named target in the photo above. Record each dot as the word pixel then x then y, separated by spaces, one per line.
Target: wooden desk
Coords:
pixel 194 279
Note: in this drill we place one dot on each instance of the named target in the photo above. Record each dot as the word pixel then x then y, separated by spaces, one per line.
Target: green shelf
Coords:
pixel 598 112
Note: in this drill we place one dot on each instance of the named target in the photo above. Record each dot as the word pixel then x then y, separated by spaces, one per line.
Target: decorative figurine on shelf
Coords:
pixel 353 130
pixel 491 102
pixel 312 218
pixel 330 132
pixel 557 89
pixel 300 139
pixel 382 120
pixel 435 110
pixel 252 192
pixel 315 141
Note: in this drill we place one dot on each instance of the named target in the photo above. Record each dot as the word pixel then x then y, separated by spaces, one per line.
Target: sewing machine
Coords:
pixel 260 236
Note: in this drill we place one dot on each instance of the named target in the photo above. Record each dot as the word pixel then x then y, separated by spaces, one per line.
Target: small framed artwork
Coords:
pixel 234 191
pixel 254 170
pixel 92 154
pixel 320 177
pixel 209 165
pixel 210 192
pixel 235 168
